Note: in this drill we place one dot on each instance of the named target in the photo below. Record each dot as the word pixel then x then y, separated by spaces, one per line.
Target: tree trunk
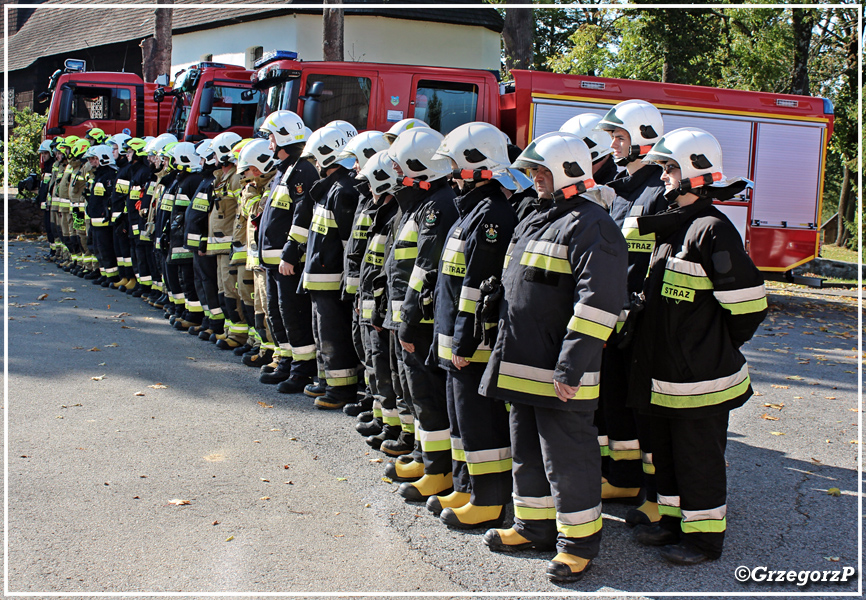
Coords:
pixel 332 42
pixel 844 199
pixel 156 50
pixel 803 23
pixel 517 33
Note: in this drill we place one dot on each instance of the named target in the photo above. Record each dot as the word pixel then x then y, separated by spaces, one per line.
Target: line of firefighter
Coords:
pixel 599 364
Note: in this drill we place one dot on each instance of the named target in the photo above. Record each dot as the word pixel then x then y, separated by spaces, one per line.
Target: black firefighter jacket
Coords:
pixel 565 284
pixel 704 299
pixel 289 188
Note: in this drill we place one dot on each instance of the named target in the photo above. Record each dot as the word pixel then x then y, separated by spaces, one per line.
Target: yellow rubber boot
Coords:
pixel 508 540
pixel 428 485
pixel 412 470
pixel 611 492
pixel 436 504
pixel 470 516
pixel 565 568
pixel 645 514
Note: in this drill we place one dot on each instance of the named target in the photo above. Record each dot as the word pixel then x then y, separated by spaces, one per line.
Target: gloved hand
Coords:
pixel 626 334
pixel 487 309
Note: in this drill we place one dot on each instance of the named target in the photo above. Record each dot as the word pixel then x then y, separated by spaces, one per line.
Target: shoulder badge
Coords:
pixel 491 232
pixel 299 188
pixel 431 217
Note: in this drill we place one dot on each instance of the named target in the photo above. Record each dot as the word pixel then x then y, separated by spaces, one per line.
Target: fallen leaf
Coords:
pixel 830 397
pixel 230 538
pixel 42 296
pixel 832 558
pixel 340 535
pixel 215 523
pixel 834 492
pixel 769 418
pixel 94 349
pixel 138 394
pixel 265 480
pixel 123 314
pixel 779 387
pixel 260 403
pixel 265 498
pixel 796 377
pixel 368 505
pixel 126 327
pixel 776 433
pixel 293 439
pixel 100 378
pixel 158 386
pixel 776 406
pixel 853 442
pixel 111 345
pixel 816 461
pixel 342 479
pixel 178 502
pixel 376 460
pixel 854 409
pixel 387 480
pixel 289 482
pixel 285 466
pixel 190 358
pixel 67 289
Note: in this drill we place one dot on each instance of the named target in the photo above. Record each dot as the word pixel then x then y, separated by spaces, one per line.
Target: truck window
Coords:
pixel 445 105
pixel 346 98
pixel 276 97
pixel 89 103
pixel 230 110
pixel 120 104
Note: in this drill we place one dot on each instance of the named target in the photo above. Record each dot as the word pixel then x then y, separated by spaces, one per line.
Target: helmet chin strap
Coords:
pixel 634 153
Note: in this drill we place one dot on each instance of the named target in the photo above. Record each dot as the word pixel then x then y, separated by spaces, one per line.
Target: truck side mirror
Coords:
pixel 248 95
pixel 205 105
pixel 43 97
pixel 158 95
pixel 64 113
pixel 203 122
pixel 313 106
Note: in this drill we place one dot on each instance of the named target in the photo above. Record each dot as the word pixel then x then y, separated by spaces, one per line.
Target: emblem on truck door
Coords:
pixel 395 100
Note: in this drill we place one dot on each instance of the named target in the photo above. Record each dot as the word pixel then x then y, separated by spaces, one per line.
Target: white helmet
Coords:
pixel 103 152
pixel 119 140
pixel 222 146
pixel 345 127
pixel 380 173
pixel 45 146
pixel 699 157
pixel 414 151
pixel 325 146
pixel 401 126
pixel 363 146
pixel 287 127
pixel 184 157
pixel 206 152
pixel 641 120
pixel 155 145
pixel 585 126
pixel 475 146
pixel 565 155
pixel 257 154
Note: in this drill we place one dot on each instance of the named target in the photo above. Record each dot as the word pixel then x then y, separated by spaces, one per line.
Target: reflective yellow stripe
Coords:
pixel 548 263
pixel 525 513
pixel 579 531
pixel 709 526
pixel 701 393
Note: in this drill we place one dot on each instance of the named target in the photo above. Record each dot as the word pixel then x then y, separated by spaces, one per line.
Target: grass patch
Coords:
pixel 833 252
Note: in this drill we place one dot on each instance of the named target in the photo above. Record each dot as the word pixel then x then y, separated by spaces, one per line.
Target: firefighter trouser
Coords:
pixel 192 304
pixel 320 363
pixel 172 280
pixel 405 405
pixel 292 312
pixel 88 259
pixel 381 382
pixel 122 248
pixel 244 284
pixel 49 231
pixel 260 305
pixel 480 443
pixel 206 275
pixel 335 337
pixel 65 220
pixel 624 468
pixel 358 335
pixel 427 388
pixel 689 456
pixel 556 464
pixel 237 326
pixel 147 272
pixel 54 219
pixel 102 239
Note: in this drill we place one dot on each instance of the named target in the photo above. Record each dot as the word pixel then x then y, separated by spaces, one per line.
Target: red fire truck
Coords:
pixel 779 141
pixel 205 100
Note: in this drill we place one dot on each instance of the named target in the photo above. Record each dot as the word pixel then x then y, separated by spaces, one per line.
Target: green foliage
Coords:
pixel 22 156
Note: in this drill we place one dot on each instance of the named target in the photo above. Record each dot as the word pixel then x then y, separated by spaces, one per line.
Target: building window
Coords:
pixel 253 54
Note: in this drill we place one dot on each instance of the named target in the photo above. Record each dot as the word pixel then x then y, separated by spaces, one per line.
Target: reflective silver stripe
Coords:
pixel 193 237
pixel 116 214
pixel 180 250
pixel 580 517
pixel 530 502
pixel 646 457
pixel 396 306
pixel 121 182
pixel 602 440
pixel 194 303
pixel 470 293
pixel 111 270
pixel 636 211
pixel 226 239
pixel 618 445
pixel 595 315
pixel 418 273
pixel 201 196
pixel 701 387
pixel 304 349
pixel 629 223
pixel 355 281
pixel 742 295
pixel 480 456
pixel 97 220
pixel 323 277
pixel 272 253
pixel 669 500
pixel 685 267
pixel 548 249
pixel 714 514
pixel 286 347
pixel 407 418
pixel 340 373
pixel 368 304
pixel 455 245
pixel 239 248
pixel 456 443
pixel 542 375
pixel 390 412
pixel 299 231
pixel 216 311
pixel 432 436
pixel 181 197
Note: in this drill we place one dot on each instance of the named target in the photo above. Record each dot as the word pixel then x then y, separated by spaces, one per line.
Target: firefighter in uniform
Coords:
pixel 289 311
pixel 474 252
pixel 704 300
pixel 57 169
pixel 119 216
pixel 585 126
pixel 152 213
pixel 46 162
pixel 140 176
pixel 98 210
pixel 162 240
pixel 336 200
pixel 77 198
pixel 219 243
pixel 435 215
pixel 64 205
pixel 634 126
pixel 569 257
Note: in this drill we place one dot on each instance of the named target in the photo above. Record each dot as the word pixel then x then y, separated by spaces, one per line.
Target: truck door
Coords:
pixel 444 105
pixel 229 111
pixel 89 106
pixel 344 97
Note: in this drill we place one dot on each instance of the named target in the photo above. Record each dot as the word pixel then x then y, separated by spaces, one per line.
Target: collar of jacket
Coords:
pixel 468 201
pixel 549 210
pixel 409 197
pixel 607 172
pixel 624 184
pixel 321 187
pixel 665 223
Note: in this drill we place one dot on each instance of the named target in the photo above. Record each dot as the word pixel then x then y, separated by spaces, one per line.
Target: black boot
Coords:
pixel 404 444
pixel 389 432
pixel 355 409
pixel 369 428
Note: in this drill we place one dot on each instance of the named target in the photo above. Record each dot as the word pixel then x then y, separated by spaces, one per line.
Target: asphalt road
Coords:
pixel 281 497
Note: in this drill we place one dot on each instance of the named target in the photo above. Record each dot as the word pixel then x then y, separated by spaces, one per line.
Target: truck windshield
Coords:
pixel 276 97
pixel 180 114
pixel 230 109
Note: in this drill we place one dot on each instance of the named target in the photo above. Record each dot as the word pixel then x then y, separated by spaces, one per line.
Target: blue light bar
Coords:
pixel 275 55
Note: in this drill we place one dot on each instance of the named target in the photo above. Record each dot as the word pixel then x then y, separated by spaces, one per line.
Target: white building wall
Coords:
pixel 367 39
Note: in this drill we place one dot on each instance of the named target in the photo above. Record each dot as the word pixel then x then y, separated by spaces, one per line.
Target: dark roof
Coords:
pixel 62 30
